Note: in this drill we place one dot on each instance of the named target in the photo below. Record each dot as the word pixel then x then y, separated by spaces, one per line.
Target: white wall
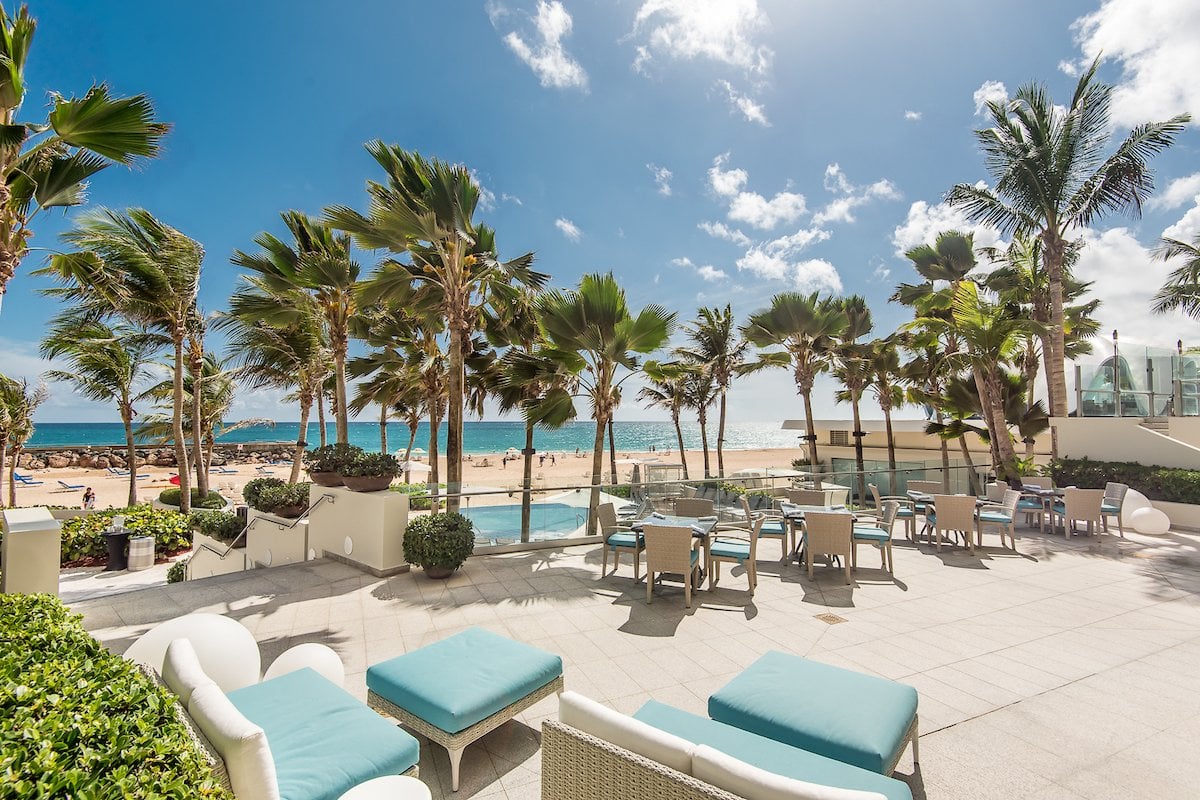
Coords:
pixel 1123 439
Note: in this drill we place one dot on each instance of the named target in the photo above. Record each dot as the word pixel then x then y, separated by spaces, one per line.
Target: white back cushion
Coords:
pixel 241 743
pixel 634 735
pixel 737 777
pixel 181 670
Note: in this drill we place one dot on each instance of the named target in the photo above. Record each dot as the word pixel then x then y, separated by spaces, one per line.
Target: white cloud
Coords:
pixel 487 198
pixel 1188 225
pixel 726 182
pixel 1156 45
pixel 841 209
pixel 881 273
pixel 719 230
pixel 836 180
pixel 794 243
pixel 989 92
pixel 815 274
pixel 751 110
pixel 510 198
pixel 569 229
pixel 1178 192
pixel 913 116
pixel 662 179
pixel 546 55
pixel 707 271
pixel 750 207
pixel 1068 68
pixel 724 31
pixel 924 222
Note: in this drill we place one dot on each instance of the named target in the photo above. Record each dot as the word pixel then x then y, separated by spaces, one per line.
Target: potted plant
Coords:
pixel 440 543
pixel 220 525
pixel 288 500
pixel 370 472
pixel 325 463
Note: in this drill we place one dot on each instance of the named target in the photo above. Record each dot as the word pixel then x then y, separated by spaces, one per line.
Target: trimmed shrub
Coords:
pixel 288 495
pixel 418 495
pixel 331 457
pixel 177 572
pixel 252 492
pixel 371 465
pixel 78 721
pixel 212 500
pixel 439 540
pixel 1171 484
pixel 82 537
pixel 220 525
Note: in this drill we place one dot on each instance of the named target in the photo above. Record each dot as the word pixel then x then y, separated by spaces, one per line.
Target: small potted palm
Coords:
pixel 370 472
pixel 325 463
pixel 439 543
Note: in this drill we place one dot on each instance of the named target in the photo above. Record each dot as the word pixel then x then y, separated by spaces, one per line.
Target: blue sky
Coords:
pixel 705 151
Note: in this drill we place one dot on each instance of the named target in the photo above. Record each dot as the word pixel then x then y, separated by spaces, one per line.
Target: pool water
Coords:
pixel 502 524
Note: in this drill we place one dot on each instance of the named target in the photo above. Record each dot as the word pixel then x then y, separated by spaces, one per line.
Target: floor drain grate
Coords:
pixel 831 619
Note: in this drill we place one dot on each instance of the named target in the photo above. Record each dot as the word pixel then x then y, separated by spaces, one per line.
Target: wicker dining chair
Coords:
pixel 694 507
pixel 953 512
pixel 829 533
pixel 737 550
pixel 1114 499
pixel 1002 515
pixel 806 497
pixel 1080 505
pixel 924 487
pixel 619 537
pixel 877 532
pixel 995 492
pixel 672 548
pixel 906 509
pixel 770 525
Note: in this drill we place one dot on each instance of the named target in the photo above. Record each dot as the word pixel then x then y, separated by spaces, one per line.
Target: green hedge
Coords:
pixel 82 537
pixel 212 500
pixel 77 721
pixel 1157 483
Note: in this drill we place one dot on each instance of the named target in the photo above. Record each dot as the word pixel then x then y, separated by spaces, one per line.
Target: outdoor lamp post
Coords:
pixel 1116 376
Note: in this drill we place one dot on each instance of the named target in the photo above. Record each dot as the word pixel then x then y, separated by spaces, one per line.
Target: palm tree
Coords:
pixel 885 378
pixel 593 335
pixel 1051 179
pixel 426 209
pixel 852 366
pixel 960 407
pixel 18 402
pixel 104 364
pixel 717 348
pixel 667 389
pixel 315 271
pixel 1182 288
pixel 699 392
pixel 131 266
pixel 926 376
pixel 46 165
pixel 806 327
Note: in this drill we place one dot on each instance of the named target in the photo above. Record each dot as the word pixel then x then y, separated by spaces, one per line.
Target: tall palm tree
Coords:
pixel 1051 179
pixel 46 164
pixel 593 335
pixel 961 409
pixel 18 403
pixel 129 265
pixel 699 393
pixel 716 346
pixel 667 389
pixel 806 327
pixel 313 271
pixel 925 376
pixel 1182 288
pixel 852 366
pixel 885 381
pixel 426 209
pixel 104 364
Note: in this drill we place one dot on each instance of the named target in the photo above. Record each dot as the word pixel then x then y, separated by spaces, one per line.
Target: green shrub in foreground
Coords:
pixel 83 537
pixel 439 540
pixel 77 721
pixel 1157 483
pixel 212 500
pixel 252 491
pixel 224 526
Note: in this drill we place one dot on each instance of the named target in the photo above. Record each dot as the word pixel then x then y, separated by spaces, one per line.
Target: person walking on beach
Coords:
pixel 89 498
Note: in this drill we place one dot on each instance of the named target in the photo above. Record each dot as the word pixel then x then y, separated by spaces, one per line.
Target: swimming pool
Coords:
pixel 502 524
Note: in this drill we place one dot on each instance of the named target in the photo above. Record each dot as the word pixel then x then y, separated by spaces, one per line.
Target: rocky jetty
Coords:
pixel 104 457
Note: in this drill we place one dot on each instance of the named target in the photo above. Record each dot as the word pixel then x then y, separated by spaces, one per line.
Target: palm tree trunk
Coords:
pixel 941 420
pixel 321 416
pixel 721 439
pixel 383 420
pixel 3 463
pixel 298 453
pixel 810 432
pixel 679 438
pixel 13 457
pixel 972 480
pixel 198 431
pixel 454 433
pixel 342 419
pixel 435 422
pixel 985 406
pixel 612 453
pixel 527 483
pixel 859 464
pixel 181 453
pixel 891 446
pixel 130 450
pixel 412 438
pixel 1006 454
pixel 702 418
pixel 1056 376
pixel 597 469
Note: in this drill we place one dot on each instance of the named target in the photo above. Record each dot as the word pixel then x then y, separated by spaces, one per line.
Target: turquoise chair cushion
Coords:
pixel 931 517
pixel 1059 507
pixel 1029 505
pixel 322 739
pixel 465 678
pixel 847 716
pixel 725 549
pixel 870 534
pixel 1109 508
pixel 632 540
pixel 994 516
pixel 776 757
pixel 772 528
pixel 904 511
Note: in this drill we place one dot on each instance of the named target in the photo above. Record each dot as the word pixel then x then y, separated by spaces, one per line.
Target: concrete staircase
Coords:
pixel 1157 424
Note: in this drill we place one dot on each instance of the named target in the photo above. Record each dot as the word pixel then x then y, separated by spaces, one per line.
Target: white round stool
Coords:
pixel 1150 522
pixel 389 787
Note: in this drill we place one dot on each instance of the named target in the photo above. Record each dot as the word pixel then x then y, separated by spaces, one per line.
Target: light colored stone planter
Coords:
pixel 365 529
pixel 271 541
pixel 206 564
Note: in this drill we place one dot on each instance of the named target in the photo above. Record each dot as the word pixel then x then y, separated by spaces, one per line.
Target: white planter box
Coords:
pixel 365 529
pixel 272 542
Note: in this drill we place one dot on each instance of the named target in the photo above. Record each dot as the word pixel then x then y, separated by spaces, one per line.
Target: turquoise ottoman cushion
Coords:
pixel 323 740
pixel 454 683
pixel 854 718
pixel 768 754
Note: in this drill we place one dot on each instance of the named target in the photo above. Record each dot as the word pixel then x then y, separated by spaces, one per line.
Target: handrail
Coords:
pixel 245 530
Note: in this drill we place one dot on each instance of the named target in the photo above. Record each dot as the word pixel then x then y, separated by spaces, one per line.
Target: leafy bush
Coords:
pixel 1171 484
pixel 439 540
pixel 78 721
pixel 617 491
pixel 82 537
pixel 252 491
pixel 735 489
pixel 371 465
pixel 177 572
pixel 331 457
pixel 170 497
pixel 220 525
pixel 287 495
pixel 418 494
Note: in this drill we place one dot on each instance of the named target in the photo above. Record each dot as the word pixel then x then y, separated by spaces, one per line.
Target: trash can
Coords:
pixel 141 553
pixel 32 551
pixel 115 541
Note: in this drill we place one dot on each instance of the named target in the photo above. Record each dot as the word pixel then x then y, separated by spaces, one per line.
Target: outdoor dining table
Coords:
pixel 793 513
pixel 702 528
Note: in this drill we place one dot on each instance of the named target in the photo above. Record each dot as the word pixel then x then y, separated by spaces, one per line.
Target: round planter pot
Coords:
pixel 438 573
pixel 367 483
pixel 289 512
pixel 326 478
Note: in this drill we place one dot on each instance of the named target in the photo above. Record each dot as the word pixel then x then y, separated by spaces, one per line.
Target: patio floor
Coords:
pixel 1066 670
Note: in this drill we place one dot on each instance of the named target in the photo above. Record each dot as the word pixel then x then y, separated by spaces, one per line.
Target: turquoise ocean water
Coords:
pixel 479 437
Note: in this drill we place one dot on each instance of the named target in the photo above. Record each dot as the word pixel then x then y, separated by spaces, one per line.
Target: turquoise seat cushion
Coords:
pixel 1059 507
pixel 904 511
pixel 869 534
pixel 322 739
pixel 727 549
pixel 1030 505
pixel 465 678
pixel 626 540
pixel 768 754
pixel 848 716
pixel 1109 508
pixel 772 528
pixel 994 516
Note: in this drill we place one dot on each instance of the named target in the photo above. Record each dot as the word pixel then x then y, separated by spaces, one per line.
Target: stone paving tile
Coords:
pixel 1066 670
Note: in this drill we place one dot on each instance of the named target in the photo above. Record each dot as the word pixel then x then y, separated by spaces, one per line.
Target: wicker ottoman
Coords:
pixel 463 687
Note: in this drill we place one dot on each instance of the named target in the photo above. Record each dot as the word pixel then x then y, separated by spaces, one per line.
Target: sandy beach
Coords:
pixel 482 472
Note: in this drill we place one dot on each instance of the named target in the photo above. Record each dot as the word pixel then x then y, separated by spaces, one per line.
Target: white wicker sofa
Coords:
pixel 595 753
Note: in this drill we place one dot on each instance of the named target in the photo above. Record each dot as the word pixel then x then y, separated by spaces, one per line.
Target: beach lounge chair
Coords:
pixel 25 480
pixel 618 538
pixel 261 470
pixel 224 471
pixel 68 487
